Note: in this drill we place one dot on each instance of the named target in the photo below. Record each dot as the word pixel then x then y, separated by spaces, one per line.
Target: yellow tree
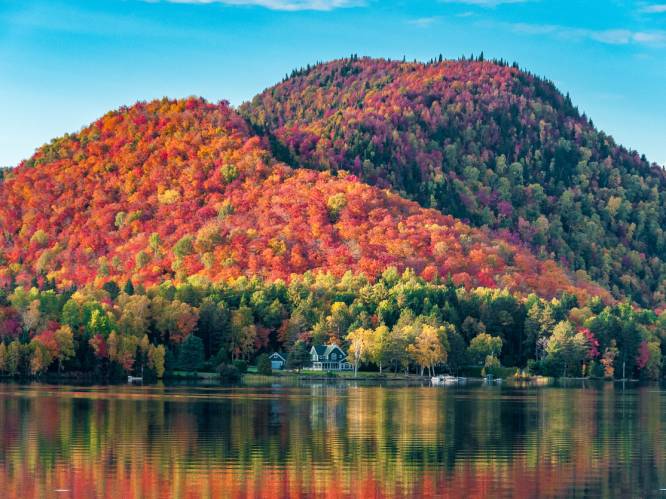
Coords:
pixel 40 357
pixel 3 357
pixel 359 340
pixel 156 357
pixel 64 338
pixel 427 349
pixel 13 357
pixel 244 332
pixel 380 346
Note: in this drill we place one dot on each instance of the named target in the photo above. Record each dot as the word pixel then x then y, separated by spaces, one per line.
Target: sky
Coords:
pixel 63 63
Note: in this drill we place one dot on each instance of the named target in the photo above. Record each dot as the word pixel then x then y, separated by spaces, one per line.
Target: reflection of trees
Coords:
pixel 332 441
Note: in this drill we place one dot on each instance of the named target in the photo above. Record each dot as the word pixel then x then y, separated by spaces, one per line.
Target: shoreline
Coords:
pixel 254 379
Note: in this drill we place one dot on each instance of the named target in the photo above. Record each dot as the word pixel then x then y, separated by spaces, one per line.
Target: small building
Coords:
pixel 277 360
pixel 329 358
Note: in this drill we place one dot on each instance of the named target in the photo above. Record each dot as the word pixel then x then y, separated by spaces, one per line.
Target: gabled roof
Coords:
pixel 331 348
pixel 326 350
pixel 319 349
pixel 278 355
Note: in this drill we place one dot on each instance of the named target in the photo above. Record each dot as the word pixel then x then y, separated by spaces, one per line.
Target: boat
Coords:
pixel 445 379
pixel 491 380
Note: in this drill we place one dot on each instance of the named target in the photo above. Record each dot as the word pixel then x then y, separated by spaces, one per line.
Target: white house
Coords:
pixel 277 360
pixel 329 358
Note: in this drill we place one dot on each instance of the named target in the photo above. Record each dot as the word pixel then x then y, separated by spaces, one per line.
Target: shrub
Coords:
pixel 264 366
pixel 228 373
pixel 241 365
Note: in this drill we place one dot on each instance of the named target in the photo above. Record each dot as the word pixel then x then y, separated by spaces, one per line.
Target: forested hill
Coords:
pixel 484 142
pixel 170 190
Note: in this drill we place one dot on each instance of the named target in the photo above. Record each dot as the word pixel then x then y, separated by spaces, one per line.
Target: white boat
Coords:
pixel 445 379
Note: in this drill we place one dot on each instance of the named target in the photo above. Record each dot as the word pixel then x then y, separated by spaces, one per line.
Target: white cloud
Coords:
pixel 423 22
pixel 284 5
pixel 609 36
pixel 485 3
pixel 659 8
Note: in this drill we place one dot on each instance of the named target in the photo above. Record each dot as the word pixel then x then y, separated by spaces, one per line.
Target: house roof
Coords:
pixel 320 349
pixel 326 350
pixel 277 355
pixel 331 348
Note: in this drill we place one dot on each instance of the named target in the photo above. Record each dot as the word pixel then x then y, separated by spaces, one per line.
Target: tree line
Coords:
pixel 399 322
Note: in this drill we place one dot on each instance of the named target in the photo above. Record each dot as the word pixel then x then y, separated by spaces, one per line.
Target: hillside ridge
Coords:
pixel 175 190
pixel 487 143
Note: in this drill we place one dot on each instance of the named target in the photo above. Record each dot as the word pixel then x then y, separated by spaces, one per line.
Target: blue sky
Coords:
pixel 65 63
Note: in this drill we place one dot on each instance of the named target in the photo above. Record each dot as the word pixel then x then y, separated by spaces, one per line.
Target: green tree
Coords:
pixel 264 366
pixel 112 288
pixel 457 355
pixel 566 347
pixel 191 356
pixel 213 325
pixel 484 345
pixel 653 366
pixel 380 346
pixel 135 314
pixel 299 357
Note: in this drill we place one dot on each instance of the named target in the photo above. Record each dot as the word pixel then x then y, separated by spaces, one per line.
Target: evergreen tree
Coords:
pixel 191 355
pixel 299 357
pixel 264 366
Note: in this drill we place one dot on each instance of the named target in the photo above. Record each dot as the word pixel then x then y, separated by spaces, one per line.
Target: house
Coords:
pixel 277 360
pixel 329 358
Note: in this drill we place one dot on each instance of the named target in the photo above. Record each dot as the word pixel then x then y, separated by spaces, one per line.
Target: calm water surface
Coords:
pixel 331 441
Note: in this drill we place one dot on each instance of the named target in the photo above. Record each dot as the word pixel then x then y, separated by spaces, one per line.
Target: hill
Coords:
pixel 486 143
pixel 168 190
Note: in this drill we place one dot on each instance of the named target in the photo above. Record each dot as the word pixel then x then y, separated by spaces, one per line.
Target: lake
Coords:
pixel 332 441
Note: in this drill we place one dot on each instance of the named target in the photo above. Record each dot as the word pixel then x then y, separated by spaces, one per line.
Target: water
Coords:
pixel 331 441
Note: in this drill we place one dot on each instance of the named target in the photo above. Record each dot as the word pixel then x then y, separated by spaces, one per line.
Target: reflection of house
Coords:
pixel 277 360
pixel 329 358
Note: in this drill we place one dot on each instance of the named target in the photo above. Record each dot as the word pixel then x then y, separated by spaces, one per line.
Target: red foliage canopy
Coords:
pixel 170 189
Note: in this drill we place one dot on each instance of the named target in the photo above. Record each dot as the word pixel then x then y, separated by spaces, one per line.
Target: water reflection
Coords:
pixel 330 441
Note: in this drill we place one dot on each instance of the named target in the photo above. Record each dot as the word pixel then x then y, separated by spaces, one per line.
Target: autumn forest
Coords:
pixel 444 214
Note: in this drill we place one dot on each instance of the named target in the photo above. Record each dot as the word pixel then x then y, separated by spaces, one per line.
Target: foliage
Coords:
pixel 228 373
pixel 608 360
pixel 174 190
pixel 567 348
pixel 241 365
pixel 264 365
pixel 483 346
pixel 299 357
pixel 399 321
pixel 484 142
pixel 191 356
pixel 491 366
